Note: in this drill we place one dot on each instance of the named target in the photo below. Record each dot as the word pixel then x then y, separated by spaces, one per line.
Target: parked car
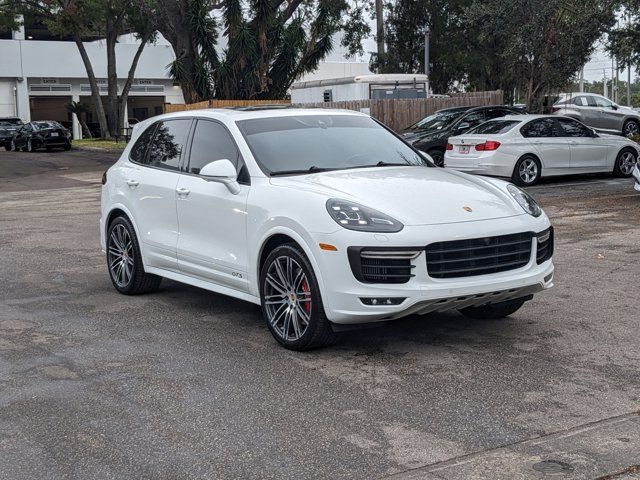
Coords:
pixel 41 134
pixel 8 126
pixel 431 133
pixel 527 148
pixel 599 112
pixel 324 218
pixel 636 176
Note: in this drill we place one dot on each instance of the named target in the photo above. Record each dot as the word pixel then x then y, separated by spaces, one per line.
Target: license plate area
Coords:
pixel 464 149
pixel 54 134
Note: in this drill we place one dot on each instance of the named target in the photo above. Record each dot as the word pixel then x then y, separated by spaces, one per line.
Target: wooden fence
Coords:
pixel 399 114
pixel 396 114
pixel 222 104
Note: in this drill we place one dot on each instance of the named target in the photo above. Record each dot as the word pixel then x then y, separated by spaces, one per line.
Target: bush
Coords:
pixel 635 138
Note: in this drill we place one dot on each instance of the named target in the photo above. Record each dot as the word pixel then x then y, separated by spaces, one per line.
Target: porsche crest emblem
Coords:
pixel 467 209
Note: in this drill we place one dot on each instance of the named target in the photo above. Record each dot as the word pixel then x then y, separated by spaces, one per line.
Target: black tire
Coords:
pixel 49 149
pixel 318 331
pixel 631 128
pixel 139 281
pixel 519 179
pixel 438 156
pixel 67 147
pixel 493 311
pixel 7 147
pixel 622 167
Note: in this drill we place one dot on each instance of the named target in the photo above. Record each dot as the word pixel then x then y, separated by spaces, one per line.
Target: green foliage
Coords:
pixel 268 44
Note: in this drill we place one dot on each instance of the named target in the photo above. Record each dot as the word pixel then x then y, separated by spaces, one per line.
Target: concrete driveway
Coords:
pixel 187 384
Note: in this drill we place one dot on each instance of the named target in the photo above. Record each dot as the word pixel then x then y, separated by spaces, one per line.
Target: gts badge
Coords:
pixel 236 274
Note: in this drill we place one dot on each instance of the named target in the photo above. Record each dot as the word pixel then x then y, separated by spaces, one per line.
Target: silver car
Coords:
pixel 599 112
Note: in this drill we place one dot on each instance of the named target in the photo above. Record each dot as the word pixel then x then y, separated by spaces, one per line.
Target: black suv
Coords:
pixel 8 127
pixel 431 133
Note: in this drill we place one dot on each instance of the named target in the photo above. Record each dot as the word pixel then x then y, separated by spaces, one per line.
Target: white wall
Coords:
pixel 333 69
pixel 350 91
pixel 7 101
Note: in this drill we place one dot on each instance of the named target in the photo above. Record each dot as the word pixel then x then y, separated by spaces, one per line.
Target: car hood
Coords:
pixel 413 136
pixel 413 195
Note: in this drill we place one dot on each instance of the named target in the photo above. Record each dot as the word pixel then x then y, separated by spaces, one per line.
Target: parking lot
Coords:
pixel 187 384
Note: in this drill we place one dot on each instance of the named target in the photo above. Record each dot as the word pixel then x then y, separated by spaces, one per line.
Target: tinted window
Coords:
pixel 437 121
pixel 324 141
pixel 139 149
pixel 10 122
pixel 571 128
pixel 591 101
pixel 581 101
pixel 211 142
pixel 494 127
pixel 167 144
pixel 473 119
pixel 44 125
pixel 539 128
pixel 603 102
pixel 496 113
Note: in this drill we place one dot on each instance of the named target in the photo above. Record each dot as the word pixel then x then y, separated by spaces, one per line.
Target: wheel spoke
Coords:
pixel 287 323
pixel 281 275
pixel 295 322
pixel 303 315
pixel 275 284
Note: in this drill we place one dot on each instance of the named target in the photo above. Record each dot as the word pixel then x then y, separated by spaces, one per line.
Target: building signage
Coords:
pixel 49 81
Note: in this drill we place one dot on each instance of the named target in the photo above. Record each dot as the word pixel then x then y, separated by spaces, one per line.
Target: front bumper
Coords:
pixel 342 292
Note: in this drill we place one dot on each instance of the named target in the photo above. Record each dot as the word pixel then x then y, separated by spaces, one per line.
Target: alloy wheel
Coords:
pixel 120 256
pixel 13 145
pixel 627 162
pixel 287 298
pixel 528 170
pixel 632 129
pixel 438 159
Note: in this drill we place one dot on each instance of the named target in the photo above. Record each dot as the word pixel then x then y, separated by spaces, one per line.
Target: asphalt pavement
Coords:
pixel 187 384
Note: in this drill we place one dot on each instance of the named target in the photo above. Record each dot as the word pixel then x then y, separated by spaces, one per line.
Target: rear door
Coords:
pixel 586 151
pixel 553 150
pixel 150 182
pixel 212 220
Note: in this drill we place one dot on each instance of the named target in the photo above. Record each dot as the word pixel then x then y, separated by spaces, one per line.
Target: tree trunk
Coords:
pixel 124 96
pixel 112 76
pixel 95 91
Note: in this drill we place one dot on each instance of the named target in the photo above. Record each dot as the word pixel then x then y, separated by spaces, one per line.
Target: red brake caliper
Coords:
pixel 307 296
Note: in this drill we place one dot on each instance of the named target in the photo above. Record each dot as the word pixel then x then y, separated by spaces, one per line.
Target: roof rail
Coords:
pixel 252 108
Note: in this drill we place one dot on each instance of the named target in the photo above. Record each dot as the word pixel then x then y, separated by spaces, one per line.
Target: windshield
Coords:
pixel 44 125
pixel 10 122
pixel 494 127
pixel 324 142
pixel 437 121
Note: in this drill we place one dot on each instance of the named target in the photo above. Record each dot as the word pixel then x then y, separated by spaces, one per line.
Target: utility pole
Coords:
pixel 426 58
pixel 380 30
pixel 582 80
pixel 604 82
pixel 629 75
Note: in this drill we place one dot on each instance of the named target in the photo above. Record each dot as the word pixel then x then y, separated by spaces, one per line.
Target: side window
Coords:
pixel 496 113
pixel 139 149
pixel 591 101
pixel 571 128
pixel 212 142
pixel 538 128
pixel 473 119
pixel 167 144
pixel 603 102
pixel 581 101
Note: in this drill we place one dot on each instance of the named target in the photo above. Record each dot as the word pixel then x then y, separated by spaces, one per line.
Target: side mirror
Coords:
pixel 463 126
pixel 426 156
pixel 222 171
pixel 614 107
pixel 594 133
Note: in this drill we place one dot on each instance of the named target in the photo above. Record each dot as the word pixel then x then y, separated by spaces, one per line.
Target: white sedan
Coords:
pixel 526 148
pixel 324 218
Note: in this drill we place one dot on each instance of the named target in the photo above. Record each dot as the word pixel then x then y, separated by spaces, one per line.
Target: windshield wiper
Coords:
pixel 312 169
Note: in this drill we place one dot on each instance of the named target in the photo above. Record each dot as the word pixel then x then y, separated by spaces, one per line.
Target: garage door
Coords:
pixel 7 107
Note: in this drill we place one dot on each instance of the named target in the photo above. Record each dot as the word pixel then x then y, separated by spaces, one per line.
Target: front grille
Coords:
pixel 390 266
pixel 545 246
pixel 478 256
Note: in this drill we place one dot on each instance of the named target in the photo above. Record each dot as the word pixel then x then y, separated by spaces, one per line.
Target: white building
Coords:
pixel 38 77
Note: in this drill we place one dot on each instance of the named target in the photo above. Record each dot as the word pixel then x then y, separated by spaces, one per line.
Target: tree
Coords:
pixel 265 45
pixel 80 110
pixel 405 32
pixel 538 45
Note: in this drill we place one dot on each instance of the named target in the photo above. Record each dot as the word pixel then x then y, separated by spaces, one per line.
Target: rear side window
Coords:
pixel 168 142
pixel 494 127
pixel 581 101
pixel 543 127
pixel 139 149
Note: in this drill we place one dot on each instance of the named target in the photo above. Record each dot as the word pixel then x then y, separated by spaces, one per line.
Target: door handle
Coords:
pixel 183 192
pixel 133 183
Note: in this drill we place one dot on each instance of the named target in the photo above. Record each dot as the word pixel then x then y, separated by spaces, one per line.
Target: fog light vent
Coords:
pixel 382 301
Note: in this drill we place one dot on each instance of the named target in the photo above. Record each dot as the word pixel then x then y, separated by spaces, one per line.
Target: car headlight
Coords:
pixel 353 216
pixel 525 200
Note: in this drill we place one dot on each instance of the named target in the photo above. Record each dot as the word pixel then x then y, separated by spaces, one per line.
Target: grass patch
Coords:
pixel 99 144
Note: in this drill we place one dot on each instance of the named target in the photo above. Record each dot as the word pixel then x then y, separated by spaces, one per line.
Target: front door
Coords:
pixel 552 149
pixel 586 152
pixel 212 243
pixel 150 181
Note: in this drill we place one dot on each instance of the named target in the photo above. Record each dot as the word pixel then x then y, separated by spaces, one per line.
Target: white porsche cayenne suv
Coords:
pixel 325 218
